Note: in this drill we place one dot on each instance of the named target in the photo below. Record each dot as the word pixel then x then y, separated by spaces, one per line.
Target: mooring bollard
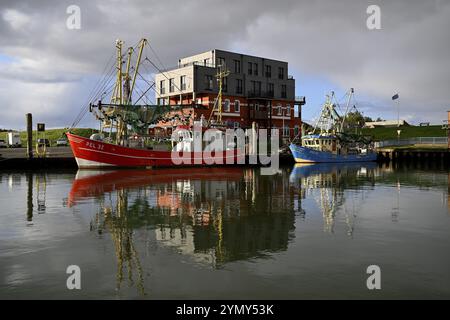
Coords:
pixel 29 135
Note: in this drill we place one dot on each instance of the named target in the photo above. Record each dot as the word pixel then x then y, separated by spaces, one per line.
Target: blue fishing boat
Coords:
pixel 331 140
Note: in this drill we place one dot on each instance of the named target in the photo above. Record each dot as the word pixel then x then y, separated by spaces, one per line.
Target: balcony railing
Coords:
pixel 260 94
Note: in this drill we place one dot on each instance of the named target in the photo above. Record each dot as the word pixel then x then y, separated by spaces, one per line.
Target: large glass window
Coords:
pixel 220 62
pixel 238 86
pixel 237 66
pixel 281 73
pixel 270 90
pixel 183 82
pixel 283 91
pixel 268 71
pixel 208 82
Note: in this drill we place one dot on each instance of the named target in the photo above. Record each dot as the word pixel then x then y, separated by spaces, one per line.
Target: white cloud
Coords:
pixel 16 19
pixel 324 39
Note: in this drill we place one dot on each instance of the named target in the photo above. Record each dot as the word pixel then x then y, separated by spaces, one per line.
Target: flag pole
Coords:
pixel 395 97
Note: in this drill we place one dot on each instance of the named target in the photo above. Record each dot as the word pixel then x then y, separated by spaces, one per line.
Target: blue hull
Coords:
pixel 308 155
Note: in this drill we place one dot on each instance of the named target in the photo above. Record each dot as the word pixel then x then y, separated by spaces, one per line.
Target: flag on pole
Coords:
pixel 395 96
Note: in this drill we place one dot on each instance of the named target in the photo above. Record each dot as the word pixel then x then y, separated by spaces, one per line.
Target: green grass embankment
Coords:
pixel 380 133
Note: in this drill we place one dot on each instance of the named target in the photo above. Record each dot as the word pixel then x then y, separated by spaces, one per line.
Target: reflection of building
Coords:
pixel 221 223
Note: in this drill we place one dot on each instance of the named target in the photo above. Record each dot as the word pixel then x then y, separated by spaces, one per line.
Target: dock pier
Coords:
pixel 413 154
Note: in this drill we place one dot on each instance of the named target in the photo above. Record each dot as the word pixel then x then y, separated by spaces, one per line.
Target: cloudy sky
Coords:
pixel 49 70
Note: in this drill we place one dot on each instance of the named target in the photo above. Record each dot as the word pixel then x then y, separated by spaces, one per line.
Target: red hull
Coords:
pixel 96 154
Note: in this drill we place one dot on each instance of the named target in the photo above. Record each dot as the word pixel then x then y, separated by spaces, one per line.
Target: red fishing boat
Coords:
pixel 124 138
pixel 90 153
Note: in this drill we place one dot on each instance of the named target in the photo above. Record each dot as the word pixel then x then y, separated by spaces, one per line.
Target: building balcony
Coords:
pixel 260 94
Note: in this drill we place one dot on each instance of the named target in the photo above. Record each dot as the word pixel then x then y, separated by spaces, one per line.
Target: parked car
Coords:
pixel 3 143
pixel 42 142
pixel 61 142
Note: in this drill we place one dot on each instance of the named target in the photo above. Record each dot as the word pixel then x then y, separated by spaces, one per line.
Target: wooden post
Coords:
pixel 29 135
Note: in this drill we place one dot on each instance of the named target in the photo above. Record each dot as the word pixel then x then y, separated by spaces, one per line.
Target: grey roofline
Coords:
pixel 242 54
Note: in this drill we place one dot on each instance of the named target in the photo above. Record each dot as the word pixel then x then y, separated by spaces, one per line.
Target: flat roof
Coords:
pixel 232 52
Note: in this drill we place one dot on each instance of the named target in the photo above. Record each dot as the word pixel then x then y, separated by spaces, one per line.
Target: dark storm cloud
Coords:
pixel 319 38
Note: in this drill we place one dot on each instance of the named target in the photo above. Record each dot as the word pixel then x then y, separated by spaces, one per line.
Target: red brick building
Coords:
pixel 256 90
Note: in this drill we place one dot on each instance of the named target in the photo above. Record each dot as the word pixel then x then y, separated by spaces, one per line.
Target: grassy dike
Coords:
pixel 52 134
pixel 380 133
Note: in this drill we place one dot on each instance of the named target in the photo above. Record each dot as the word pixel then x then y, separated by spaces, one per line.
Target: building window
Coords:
pixel 283 91
pixel 256 107
pixel 279 110
pixel 268 71
pixel 239 86
pixel 171 85
pixel 286 131
pixel 183 82
pixel 255 69
pixel 226 105
pixel 236 125
pixel 281 73
pixel 208 82
pixel 237 66
pixel 296 130
pixel 270 90
pixel 220 62
pixel 162 87
pixel 237 106
pixel 225 84
pixel 256 88
pixel 250 68
pixel 288 110
pixel 296 111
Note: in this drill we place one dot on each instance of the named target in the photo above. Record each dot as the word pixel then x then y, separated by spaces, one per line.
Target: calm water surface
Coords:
pixel 307 232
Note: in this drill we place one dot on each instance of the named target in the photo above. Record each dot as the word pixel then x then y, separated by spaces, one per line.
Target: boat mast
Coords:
pixel 326 115
pixel 126 84
pixel 221 74
pixel 138 62
pixel 350 94
pixel 116 98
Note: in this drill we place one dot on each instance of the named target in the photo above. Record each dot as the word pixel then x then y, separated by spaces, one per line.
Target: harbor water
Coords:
pixel 308 232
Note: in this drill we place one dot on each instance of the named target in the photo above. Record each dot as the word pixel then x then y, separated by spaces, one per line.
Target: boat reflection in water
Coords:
pixel 213 215
pixel 329 184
